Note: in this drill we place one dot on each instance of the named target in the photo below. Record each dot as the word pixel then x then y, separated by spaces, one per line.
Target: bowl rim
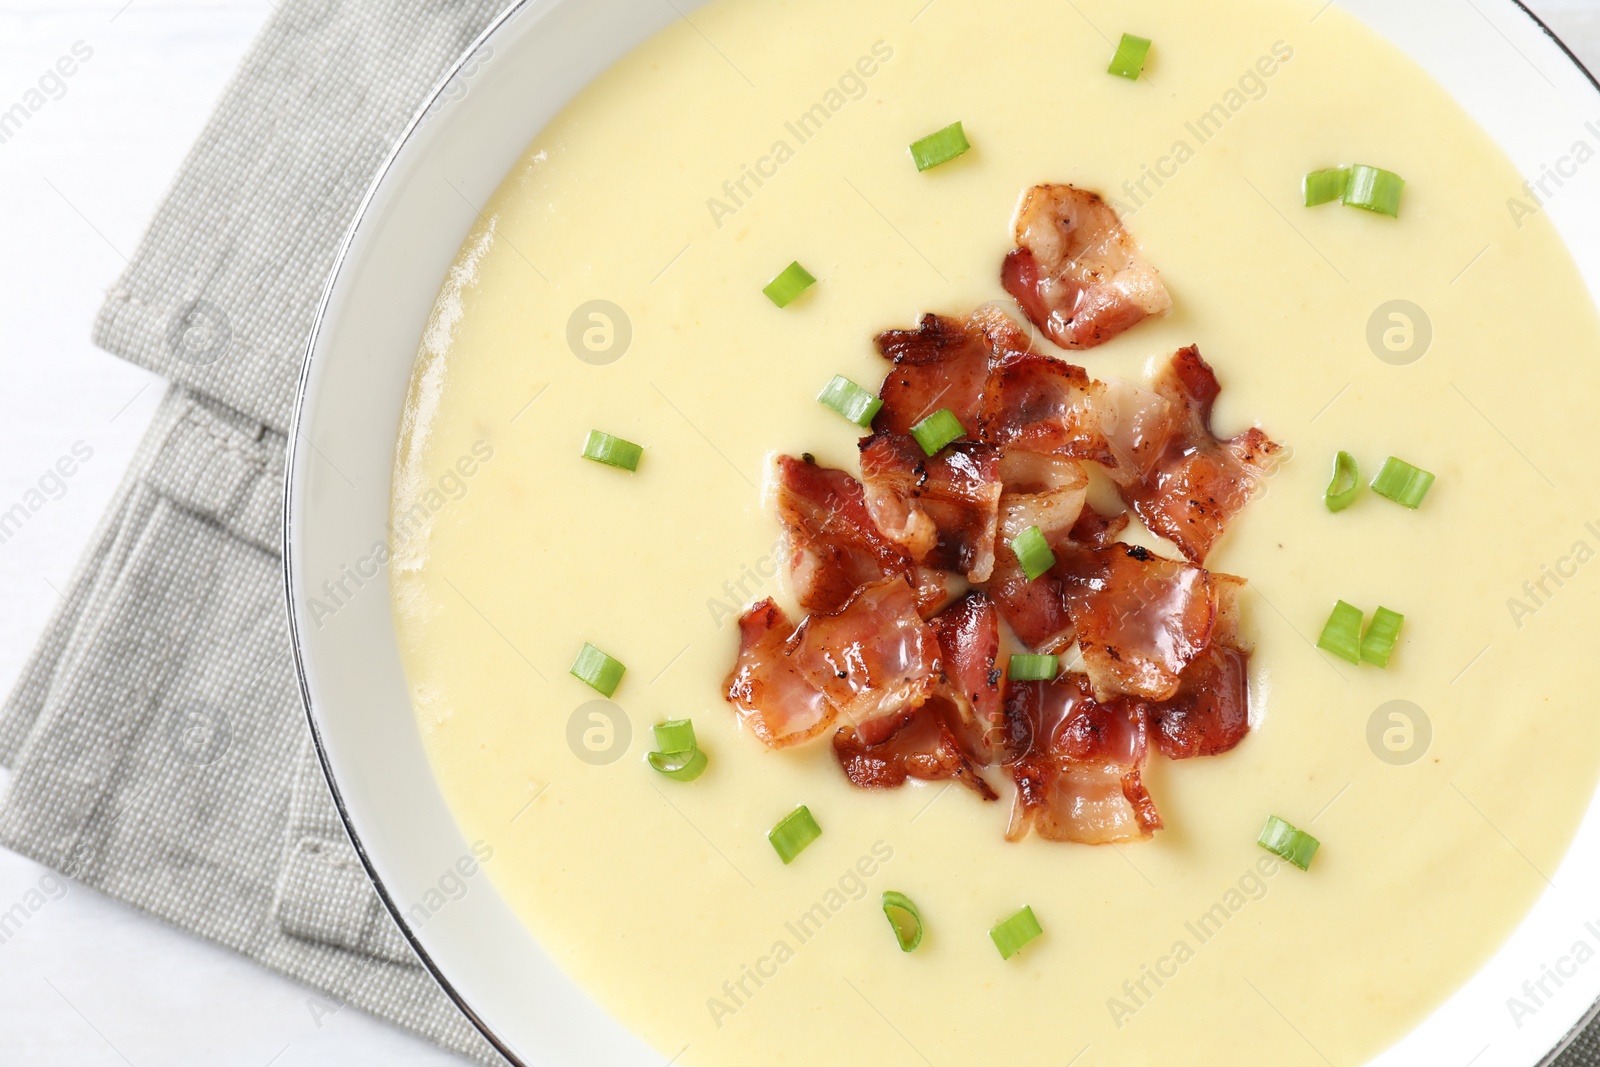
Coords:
pixel 303 384
pixel 302 387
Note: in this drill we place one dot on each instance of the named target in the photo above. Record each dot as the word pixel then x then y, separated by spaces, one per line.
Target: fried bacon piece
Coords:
pixel 1140 619
pixel 1041 490
pixel 968 633
pixel 1210 714
pixel 953 733
pixel 874 659
pixel 1137 424
pixel 832 544
pixel 911 691
pixel 1001 333
pixel 940 509
pixel 772 697
pixel 1035 610
pixel 1097 530
pixel 1197 484
pixel 1076 271
pixel 935 589
pixel 1048 492
pixel 1077 764
pixel 941 364
pixel 925 748
pixel 1036 403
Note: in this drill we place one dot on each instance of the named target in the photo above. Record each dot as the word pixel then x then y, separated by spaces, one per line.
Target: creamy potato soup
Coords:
pixel 616 284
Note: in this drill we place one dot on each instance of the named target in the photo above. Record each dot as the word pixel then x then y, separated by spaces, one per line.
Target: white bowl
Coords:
pixel 1503 67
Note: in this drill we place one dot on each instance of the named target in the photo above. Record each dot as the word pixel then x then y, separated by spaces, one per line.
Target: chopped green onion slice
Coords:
pixel 1131 54
pixel 1035 668
pixel 938 430
pixel 598 669
pixel 1285 842
pixel 675 735
pixel 904 919
pixel 680 766
pixel 791 836
pixel 1374 189
pixel 1402 483
pixel 1345 485
pixel 679 757
pixel 1326 186
pixel 1378 644
pixel 939 147
pixel 1033 552
pixel 794 280
pixel 849 400
pixel 1010 936
pixel 612 451
pixel 1342 634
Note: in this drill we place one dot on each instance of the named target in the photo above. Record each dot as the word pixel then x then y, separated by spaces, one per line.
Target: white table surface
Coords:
pixel 87 981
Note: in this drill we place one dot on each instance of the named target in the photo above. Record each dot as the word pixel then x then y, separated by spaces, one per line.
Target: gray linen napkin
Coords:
pixel 156 739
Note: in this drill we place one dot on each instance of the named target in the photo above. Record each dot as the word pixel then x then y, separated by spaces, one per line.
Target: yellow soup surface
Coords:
pixel 615 284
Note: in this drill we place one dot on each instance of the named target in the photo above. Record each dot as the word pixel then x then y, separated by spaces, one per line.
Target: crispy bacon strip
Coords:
pixel 1210 714
pixel 941 364
pixel 1137 424
pixel 1197 484
pixel 766 688
pixel 1037 403
pixel 925 748
pixel 942 510
pixel 1140 619
pixel 1097 530
pixel 874 659
pixel 1041 490
pixel 915 692
pixel 832 544
pixel 935 589
pixel 952 734
pixel 968 633
pixel 1048 492
pixel 1001 333
pixel 1035 610
pixel 1077 272
pixel 1077 764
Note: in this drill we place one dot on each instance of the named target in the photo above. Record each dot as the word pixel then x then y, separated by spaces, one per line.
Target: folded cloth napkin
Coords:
pixel 156 739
